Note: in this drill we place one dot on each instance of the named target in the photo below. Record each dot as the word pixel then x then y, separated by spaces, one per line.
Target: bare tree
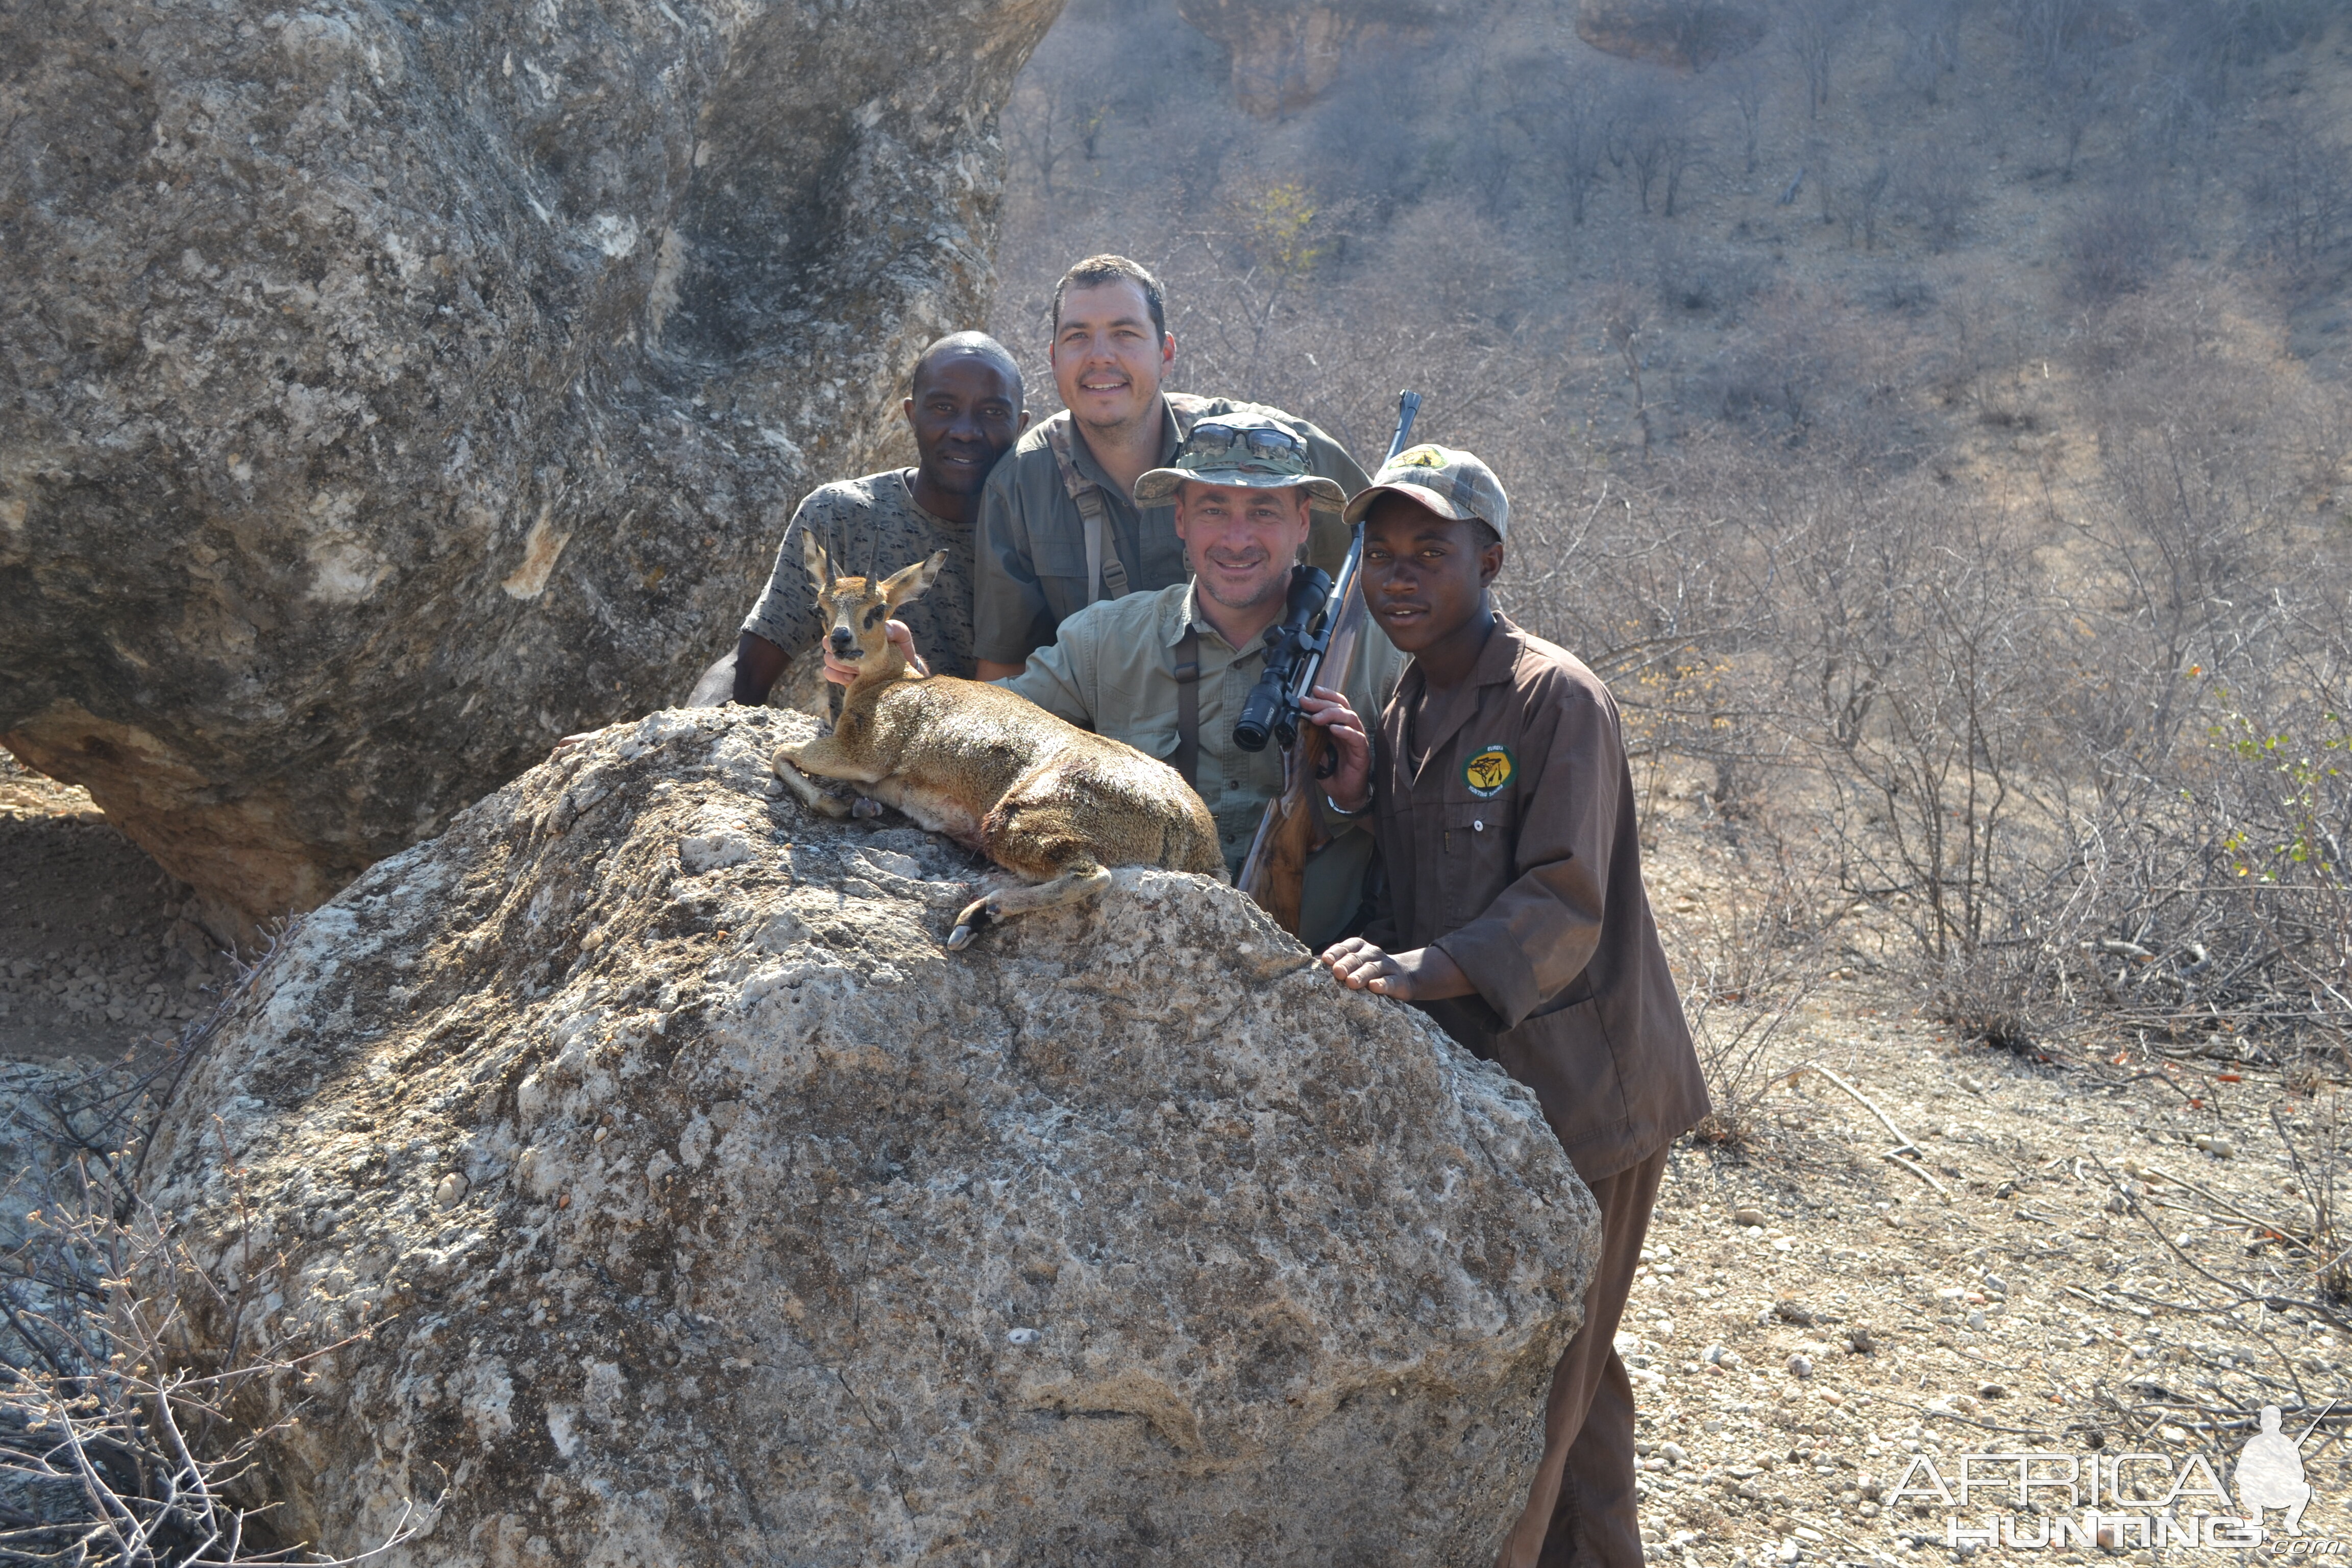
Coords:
pixel 130 1436
pixel 2078 95
pixel 1814 32
pixel 1684 152
pixel 1700 31
pixel 2299 192
pixel 1862 202
pixel 1574 128
pixel 2045 29
pixel 1747 89
pixel 1035 124
pixel 1640 132
pixel 1622 322
pixel 2116 242
pixel 1940 188
pixel 1930 50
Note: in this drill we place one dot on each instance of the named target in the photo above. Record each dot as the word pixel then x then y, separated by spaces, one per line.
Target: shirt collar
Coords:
pixel 1083 455
pixel 907 489
pixel 1496 660
pixel 1500 656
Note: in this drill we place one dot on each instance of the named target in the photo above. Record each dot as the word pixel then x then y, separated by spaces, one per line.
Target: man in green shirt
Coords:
pixel 1242 498
pixel 1058 530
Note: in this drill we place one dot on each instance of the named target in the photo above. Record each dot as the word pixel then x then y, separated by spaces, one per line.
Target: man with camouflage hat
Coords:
pixel 1167 671
pixel 1513 912
pixel 1058 530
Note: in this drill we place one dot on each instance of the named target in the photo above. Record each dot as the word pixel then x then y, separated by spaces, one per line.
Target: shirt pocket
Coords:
pixel 1057 550
pixel 1474 855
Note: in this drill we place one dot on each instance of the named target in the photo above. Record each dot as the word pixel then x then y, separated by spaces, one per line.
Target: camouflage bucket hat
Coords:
pixel 1241 449
pixel 1448 482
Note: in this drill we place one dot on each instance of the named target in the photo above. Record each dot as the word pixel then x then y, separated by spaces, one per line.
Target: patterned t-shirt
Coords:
pixel 871 527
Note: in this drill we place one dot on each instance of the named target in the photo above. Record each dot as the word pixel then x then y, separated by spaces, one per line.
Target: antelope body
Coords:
pixel 1054 804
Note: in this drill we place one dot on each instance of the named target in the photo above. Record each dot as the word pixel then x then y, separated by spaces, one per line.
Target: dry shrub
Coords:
pixel 1749 967
pixel 2116 242
pixel 2320 1166
pixel 121 1441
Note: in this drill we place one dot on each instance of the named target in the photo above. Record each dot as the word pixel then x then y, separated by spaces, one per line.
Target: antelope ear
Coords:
pixel 812 557
pixel 910 583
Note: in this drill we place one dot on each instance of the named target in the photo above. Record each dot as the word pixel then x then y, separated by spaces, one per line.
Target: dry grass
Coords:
pixel 119 1443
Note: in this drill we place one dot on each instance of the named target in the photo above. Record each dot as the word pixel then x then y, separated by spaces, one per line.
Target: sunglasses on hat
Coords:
pixel 1270 443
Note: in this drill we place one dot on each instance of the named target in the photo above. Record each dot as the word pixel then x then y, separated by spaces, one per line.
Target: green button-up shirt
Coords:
pixel 1032 566
pixel 1111 668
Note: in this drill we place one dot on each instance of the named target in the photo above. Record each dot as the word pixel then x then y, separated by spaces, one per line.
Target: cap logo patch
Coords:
pixel 1421 457
pixel 1488 771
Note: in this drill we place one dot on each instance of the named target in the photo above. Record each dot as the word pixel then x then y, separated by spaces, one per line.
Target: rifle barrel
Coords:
pixel 1311 669
pixel 1408 404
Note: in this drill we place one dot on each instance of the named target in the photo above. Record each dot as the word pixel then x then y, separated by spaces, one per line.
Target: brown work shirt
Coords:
pixel 1513 847
pixel 1031 569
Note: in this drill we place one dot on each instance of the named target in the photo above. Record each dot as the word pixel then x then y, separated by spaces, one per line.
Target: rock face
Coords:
pixel 388 389
pixel 1288 53
pixel 1690 35
pixel 707 1211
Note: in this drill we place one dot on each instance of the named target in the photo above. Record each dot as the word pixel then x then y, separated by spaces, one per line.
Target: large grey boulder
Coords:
pixel 706 1210
pixel 389 389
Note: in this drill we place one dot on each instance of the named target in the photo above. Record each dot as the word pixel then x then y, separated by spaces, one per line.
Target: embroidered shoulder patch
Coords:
pixel 1488 771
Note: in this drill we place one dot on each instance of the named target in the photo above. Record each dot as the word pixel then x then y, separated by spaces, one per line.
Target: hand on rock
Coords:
pixel 1422 974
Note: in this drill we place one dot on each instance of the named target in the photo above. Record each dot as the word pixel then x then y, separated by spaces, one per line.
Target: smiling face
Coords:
pixel 966 414
pixel 1425 576
pixel 1241 540
pixel 1108 359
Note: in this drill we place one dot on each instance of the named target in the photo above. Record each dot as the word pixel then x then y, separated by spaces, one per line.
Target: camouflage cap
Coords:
pixel 1241 449
pixel 1448 482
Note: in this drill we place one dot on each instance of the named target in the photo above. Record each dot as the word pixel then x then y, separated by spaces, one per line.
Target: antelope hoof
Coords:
pixel 865 805
pixel 968 923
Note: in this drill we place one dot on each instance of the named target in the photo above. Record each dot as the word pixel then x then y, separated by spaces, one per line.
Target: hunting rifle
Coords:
pixel 1319 625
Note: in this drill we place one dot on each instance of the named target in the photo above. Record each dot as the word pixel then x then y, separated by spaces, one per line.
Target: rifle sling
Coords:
pixel 1187 760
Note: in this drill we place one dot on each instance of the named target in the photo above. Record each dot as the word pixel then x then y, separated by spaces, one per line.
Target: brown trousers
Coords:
pixel 1580 1511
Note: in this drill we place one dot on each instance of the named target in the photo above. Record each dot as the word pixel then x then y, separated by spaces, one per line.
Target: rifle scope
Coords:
pixel 1272 710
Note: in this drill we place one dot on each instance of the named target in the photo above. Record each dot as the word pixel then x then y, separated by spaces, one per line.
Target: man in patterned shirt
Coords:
pixel 966 408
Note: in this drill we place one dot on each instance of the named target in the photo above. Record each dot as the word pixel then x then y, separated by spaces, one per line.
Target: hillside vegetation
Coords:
pixel 1930 415
pixel 1932 418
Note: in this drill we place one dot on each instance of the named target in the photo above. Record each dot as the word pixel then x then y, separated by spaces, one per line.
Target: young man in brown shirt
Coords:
pixel 1513 914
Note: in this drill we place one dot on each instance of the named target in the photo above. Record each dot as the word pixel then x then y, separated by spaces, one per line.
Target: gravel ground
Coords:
pixel 1812 1316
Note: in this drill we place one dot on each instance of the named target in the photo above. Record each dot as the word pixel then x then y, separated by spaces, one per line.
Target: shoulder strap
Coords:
pixel 1106 576
pixel 1187 760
